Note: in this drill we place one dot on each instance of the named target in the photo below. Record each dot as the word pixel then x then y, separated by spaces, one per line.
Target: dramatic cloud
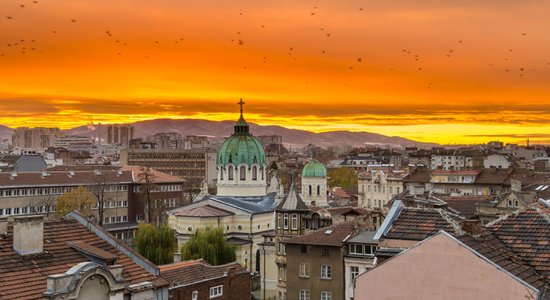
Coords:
pixel 389 66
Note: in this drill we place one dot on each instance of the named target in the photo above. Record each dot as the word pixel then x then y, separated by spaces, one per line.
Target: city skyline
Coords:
pixel 432 71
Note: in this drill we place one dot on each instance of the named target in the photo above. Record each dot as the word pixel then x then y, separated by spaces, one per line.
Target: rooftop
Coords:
pixel 328 236
pixel 194 271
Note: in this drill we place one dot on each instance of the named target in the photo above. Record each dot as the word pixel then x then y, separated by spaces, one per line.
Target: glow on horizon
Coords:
pixel 434 71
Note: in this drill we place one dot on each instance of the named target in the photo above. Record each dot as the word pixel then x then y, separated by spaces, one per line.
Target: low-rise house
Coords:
pixel 72 259
pixel 196 279
pixel 505 203
pixel 315 267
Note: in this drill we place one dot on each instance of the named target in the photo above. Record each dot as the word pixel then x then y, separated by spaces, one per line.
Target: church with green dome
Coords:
pixel 241 163
pixel 314 184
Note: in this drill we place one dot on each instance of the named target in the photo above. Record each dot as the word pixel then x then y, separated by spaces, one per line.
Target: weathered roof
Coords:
pixel 157 176
pixel 456 172
pixel 464 205
pixel 195 271
pixel 24 277
pixel 527 234
pixel 30 163
pixel 292 201
pixel 328 236
pixel 363 237
pixel 419 224
pixel 418 175
pixel 254 205
pixel 489 246
pixel 204 211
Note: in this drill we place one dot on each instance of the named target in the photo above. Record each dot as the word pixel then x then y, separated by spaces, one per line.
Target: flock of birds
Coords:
pixel 28 46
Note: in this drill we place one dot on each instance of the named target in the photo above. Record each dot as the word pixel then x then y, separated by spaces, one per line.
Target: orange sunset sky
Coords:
pixel 438 71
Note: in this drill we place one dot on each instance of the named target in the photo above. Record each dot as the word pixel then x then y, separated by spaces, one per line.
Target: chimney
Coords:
pixel 516 185
pixel 28 234
pixel 471 227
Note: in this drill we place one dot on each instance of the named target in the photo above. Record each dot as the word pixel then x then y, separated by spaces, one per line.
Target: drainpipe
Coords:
pixel 263 277
pixel 251 244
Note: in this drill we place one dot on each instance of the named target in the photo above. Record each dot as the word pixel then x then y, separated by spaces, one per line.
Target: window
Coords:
pixel 216 291
pixel 326 295
pixel 510 203
pixel 326 272
pixel 354 271
pixel 310 190
pixel 303 249
pixel 230 173
pixel 325 251
pixel 294 221
pixel 285 218
pixel 356 249
pixel 397 190
pixel 1 211
pixel 113 219
pixel 195 295
pixel 254 173
pixel 242 172
pixel 318 190
pixel 221 173
pixel 304 295
pixel 119 219
pixel 124 218
pixel 16 211
pixel 279 220
pixel 304 270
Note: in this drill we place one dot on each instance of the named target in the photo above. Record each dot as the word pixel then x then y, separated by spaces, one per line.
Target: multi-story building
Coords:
pixel 289 223
pixel 66 141
pixel 119 134
pixel 315 268
pixel 378 187
pixel 462 159
pixel 194 165
pixel 29 193
pixel 37 139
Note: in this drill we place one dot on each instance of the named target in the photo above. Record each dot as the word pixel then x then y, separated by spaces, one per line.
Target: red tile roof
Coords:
pixel 419 224
pixel 24 277
pixel 193 271
pixel 488 245
pixel 527 234
pixel 328 236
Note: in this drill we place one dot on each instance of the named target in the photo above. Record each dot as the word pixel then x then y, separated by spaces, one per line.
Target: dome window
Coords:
pixel 230 173
pixel 242 172
pixel 254 173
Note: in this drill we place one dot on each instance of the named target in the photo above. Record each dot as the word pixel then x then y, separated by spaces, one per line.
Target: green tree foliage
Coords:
pixel 210 245
pixel 79 198
pixel 345 178
pixel 155 244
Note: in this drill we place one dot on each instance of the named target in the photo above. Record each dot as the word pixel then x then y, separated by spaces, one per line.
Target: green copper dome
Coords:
pixel 314 169
pixel 241 146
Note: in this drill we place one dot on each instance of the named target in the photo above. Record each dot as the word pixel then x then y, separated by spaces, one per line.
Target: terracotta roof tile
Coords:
pixel 328 236
pixel 419 224
pixel 189 272
pixel 526 233
pixel 24 277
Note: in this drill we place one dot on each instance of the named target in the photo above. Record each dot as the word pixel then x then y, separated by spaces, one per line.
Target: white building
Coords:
pixel 314 184
pixel 378 187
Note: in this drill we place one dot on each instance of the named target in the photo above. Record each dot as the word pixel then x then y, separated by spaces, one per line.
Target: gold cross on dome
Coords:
pixel 241 103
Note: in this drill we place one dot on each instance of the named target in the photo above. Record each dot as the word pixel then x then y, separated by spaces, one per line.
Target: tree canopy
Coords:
pixel 155 244
pixel 210 245
pixel 345 178
pixel 79 198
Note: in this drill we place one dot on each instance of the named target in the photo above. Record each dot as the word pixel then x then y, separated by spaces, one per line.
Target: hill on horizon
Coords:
pixel 294 137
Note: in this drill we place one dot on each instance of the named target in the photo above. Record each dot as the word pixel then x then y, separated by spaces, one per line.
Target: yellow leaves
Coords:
pixel 77 199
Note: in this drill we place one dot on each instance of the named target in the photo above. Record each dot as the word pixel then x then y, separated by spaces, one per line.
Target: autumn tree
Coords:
pixel 210 245
pixel 155 244
pixel 100 182
pixel 79 198
pixel 146 187
pixel 345 178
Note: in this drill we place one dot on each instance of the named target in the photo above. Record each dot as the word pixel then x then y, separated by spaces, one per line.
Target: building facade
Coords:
pixel 378 187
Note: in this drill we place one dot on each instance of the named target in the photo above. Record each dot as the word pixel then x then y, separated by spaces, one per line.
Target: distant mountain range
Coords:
pixel 221 129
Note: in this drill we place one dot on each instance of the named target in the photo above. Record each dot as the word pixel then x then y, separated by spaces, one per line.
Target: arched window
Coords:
pixel 318 190
pixel 221 173
pixel 310 193
pixel 242 171
pixel 230 173
pixel 254 173
pixel 262 173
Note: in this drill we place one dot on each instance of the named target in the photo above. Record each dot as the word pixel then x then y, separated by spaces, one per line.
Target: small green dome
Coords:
pixel 241 146
pixel 314 169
